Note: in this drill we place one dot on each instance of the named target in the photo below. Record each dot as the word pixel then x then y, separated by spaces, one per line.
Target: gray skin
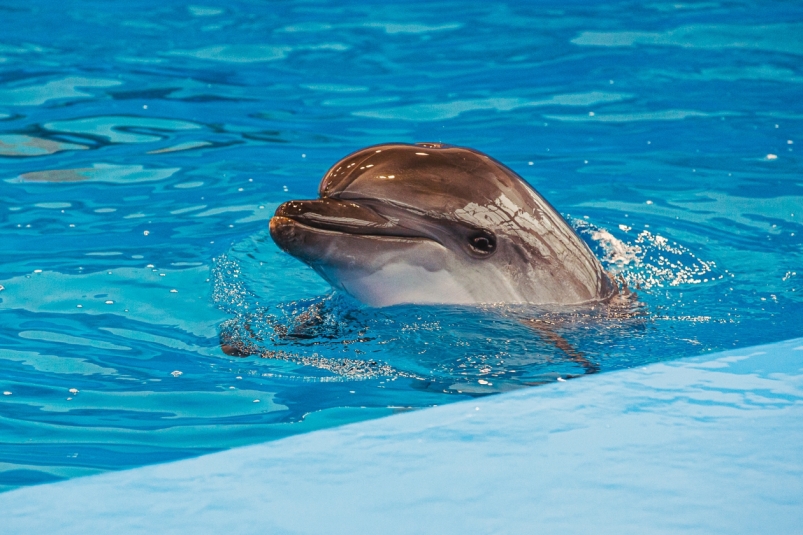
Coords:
pixel 433 223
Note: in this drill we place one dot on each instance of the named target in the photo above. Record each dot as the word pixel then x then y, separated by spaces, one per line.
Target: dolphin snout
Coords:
pixel 332 214
pixel 283 232
pixel 296 226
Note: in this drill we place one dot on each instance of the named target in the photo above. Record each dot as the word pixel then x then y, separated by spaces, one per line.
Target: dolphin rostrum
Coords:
pixel 434 223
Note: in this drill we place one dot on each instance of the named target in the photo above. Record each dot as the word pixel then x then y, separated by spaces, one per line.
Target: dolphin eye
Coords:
pixel 482 242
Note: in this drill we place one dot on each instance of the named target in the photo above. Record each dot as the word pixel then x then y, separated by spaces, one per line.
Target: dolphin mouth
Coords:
pixel 345 217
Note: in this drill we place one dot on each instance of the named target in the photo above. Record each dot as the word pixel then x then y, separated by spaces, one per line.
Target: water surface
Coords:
pixel 143 149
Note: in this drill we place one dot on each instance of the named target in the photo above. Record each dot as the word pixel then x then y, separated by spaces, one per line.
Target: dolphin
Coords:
pixel 430 223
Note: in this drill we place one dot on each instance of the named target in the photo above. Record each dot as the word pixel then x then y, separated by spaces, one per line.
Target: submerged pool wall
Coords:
pixel 702 445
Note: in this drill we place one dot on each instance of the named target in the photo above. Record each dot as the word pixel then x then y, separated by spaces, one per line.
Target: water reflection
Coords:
pixel 121 129
pixel 99 172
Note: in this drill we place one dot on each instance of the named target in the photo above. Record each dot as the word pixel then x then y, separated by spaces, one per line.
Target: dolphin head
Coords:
pixel 433 223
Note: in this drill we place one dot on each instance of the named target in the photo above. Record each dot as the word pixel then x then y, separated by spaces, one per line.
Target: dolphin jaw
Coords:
pixel 344 217
pixel 315 245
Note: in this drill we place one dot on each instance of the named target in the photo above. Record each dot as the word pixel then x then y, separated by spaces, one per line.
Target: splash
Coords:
pixel 648 261
pixel 262 330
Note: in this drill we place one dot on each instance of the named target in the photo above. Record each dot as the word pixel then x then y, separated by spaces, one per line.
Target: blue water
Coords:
pixel 144 146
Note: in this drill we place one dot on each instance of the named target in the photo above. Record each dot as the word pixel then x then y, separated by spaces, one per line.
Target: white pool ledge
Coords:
pixel 706 445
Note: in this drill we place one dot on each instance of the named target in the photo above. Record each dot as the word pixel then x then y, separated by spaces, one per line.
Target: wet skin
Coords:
pixel 433 223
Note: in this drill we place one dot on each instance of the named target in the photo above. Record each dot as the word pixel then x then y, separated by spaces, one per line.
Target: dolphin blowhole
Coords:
pixel 433 223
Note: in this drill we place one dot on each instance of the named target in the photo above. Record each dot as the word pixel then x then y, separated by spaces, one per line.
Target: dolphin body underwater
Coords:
pixel 431 223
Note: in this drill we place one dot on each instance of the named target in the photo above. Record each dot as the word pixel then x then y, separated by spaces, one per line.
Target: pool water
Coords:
pixel 143 149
